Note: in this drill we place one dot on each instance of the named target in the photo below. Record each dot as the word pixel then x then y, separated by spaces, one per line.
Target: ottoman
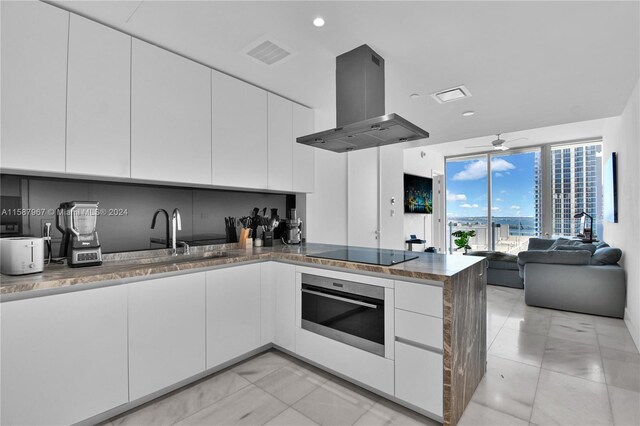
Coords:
pixel 503 268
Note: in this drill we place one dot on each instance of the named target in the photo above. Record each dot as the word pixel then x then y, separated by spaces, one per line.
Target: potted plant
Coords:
pixel 462 239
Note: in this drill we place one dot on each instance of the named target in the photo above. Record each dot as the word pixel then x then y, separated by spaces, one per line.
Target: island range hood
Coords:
pixel 360 113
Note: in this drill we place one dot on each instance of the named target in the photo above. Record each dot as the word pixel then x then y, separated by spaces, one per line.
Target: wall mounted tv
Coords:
pixel 418 194
pixel 610 189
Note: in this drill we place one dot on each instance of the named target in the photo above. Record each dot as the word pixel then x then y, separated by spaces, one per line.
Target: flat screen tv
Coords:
pixel 418 194
pixel 610 189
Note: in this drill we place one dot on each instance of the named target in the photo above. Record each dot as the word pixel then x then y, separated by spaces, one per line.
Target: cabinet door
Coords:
pixel 166 332
pixel 34 85
pixel 284 286
pixel 239 123
pixel 233 312
pixel 64 357
pixel 419 377
pixel 303 155
pixel 363 201
pixel 170 116
pixel 280 152
pixel 98 100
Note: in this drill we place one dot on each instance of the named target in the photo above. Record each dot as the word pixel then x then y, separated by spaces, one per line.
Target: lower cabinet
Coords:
pixel 233 312
pixel 284 287
pixel 166 332
pixel 64 357
pixel 419 377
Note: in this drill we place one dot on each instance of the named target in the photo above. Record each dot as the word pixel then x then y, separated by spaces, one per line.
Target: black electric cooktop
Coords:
pixel 381 257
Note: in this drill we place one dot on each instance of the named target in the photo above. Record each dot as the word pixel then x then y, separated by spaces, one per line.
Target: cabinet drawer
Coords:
pixel 420 298
pixel 419 377
pixel 419 328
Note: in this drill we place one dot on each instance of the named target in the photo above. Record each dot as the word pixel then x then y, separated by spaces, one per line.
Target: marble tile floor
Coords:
pixel 544 367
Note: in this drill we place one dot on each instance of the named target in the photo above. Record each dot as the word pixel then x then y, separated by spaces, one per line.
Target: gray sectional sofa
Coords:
pixel 572 276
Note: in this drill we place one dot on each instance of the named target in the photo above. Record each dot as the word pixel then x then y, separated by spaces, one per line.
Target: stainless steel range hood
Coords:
pixel 360 114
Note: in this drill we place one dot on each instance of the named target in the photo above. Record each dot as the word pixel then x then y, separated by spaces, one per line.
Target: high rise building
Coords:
pixel 576 172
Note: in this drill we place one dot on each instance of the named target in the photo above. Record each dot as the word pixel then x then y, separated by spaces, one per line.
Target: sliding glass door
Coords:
pixel 497 196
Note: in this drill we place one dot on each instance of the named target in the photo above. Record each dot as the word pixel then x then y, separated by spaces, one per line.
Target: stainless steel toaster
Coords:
pixel 21 255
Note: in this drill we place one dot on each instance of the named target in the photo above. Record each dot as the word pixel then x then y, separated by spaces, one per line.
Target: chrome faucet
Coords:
pixel 153 224
pixel 176 223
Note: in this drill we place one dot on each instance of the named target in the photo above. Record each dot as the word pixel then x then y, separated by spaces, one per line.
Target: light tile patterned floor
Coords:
pixel 544 367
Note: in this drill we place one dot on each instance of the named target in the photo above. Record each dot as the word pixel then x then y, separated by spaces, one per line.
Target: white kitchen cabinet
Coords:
pixel 267 303
pixel 166 332
pixel 420 298
pixel 98 100
pixel 233 312
pixel 363 204
pixel 239 126
pixel 422 329
pixel 34 86
pixel 359 365
pixel 303 155
pixel 284 288
pixel 418 376
pixel 170 116
pixel 64 357
pixel 280 143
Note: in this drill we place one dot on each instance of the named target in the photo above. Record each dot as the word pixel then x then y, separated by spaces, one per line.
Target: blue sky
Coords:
pixel 513 186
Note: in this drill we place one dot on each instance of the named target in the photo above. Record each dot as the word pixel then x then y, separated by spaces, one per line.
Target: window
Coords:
pixel 574 182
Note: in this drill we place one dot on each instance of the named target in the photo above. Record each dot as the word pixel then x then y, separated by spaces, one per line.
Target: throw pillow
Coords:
pixel 588 247
pixel 606 256
pixel 601 244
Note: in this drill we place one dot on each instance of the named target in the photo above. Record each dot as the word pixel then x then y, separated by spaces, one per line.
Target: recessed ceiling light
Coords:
pixel 468 113
pixel 414 95
pixel 452 94
pixel 318 22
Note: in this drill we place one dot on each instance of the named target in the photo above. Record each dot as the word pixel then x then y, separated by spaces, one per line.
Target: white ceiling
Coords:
pixel 527 64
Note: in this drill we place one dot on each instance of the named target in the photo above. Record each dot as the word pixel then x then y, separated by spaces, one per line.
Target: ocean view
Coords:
pixel 518 225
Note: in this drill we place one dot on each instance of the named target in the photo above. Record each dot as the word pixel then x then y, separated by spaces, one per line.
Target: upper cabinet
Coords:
pixel 239 125
pixel 98 100
pixel 84 99
pixel 34 81
pixel 280 131
pixel 303 155
pixel 170 116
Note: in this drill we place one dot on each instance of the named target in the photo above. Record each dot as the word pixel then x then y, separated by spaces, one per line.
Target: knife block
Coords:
pixel 244 234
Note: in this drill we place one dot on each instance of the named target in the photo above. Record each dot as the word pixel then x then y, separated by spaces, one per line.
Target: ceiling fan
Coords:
pixel 498 144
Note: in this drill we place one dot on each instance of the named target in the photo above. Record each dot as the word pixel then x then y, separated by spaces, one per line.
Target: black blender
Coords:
pixel 77 222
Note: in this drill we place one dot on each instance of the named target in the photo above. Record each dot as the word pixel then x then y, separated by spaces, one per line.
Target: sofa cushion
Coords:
pixel 601 244
pixel 495 255
pixel 563 257
pixel 606 256
pixel 588 247
pixel 564 242
pixel 566 257
pixel 540 243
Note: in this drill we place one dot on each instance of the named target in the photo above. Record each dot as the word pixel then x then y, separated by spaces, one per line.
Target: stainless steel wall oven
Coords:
pixel 349 312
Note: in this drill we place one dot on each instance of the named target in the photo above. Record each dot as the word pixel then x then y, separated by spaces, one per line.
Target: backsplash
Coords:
pixel 126 226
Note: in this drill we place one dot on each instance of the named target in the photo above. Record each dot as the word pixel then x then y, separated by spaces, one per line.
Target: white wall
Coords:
pixel 416 164
pixel 326 208
pixel 391 186
pixel 622 135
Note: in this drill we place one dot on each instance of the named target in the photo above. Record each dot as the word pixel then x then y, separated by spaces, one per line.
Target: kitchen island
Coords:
pixel 460 280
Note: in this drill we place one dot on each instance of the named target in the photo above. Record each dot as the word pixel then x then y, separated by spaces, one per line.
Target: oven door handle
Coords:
pixel 343 299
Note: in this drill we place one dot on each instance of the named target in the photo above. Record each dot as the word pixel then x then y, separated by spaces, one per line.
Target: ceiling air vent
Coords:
pixel 267 51
pixel 452 94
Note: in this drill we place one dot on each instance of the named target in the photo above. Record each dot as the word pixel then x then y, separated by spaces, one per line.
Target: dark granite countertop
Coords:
pixel 128 266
